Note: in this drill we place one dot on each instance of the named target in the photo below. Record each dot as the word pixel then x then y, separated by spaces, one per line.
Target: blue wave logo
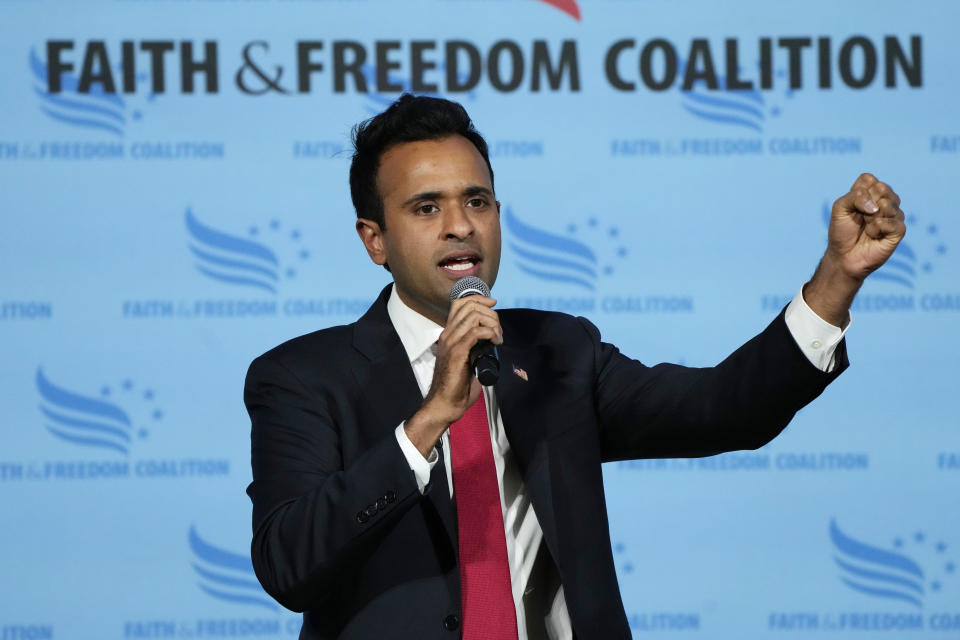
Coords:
pixel 888 574
pixel 559 258
pixel 89 421
pixel 226 575
pixel 905 265
pixel 744 108
pixel 95 110
pixel 875 571
pixel 235 260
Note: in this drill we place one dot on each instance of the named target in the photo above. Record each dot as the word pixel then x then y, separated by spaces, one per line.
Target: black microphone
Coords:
pixel 484 357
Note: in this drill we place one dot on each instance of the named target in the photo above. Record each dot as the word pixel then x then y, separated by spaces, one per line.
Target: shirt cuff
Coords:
pixel 420 466
pixel 817 338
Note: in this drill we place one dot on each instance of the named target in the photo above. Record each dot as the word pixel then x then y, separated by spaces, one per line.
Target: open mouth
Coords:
pixel 460 264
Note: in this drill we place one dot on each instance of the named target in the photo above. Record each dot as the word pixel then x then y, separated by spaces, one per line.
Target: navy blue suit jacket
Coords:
pixel 340 530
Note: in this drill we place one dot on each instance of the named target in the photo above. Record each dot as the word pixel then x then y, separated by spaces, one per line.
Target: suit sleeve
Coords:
pixel 670 411
pixel 313 519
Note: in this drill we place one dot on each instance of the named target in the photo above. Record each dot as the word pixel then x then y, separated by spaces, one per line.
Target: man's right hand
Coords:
pixel 454 387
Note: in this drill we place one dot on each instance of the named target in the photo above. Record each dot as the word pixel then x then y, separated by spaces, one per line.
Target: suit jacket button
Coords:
pixel 390 496
pixel 371 510
pixel 451 622
pixel 381 502
pixel 362 517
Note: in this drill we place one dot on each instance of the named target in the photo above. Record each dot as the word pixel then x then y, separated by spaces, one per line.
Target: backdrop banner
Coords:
pixel 174 198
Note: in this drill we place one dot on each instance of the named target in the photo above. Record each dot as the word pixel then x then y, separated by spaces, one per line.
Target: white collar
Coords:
pixel 417 333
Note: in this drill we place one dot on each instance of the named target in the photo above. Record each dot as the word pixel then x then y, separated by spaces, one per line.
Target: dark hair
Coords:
pixel 409 119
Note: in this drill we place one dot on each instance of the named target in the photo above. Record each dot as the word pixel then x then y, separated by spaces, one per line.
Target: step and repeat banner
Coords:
pixel 174 198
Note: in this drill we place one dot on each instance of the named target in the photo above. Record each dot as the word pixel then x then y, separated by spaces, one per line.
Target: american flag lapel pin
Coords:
pixel 520 373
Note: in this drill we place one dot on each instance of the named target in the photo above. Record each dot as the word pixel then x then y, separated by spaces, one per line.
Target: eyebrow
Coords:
pixel 477 191
pixel 473 190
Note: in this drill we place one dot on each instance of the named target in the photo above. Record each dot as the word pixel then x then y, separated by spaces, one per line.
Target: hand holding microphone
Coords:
pixel 484 358
pixel 466 350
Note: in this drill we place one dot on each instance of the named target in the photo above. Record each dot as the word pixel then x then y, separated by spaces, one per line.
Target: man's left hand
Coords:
pixel 866 225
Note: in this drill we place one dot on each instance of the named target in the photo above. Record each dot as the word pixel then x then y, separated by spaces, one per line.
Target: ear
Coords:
pixel 372 238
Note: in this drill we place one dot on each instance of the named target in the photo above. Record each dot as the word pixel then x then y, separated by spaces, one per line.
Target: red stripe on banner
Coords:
pixel 567 6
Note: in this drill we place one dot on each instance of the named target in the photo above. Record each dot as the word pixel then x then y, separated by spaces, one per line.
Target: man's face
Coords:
pixel 442 221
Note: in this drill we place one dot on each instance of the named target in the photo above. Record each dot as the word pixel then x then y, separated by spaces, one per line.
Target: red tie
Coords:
pixel 488 609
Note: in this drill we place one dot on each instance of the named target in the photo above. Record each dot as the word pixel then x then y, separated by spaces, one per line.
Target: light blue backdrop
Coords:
pixel 153 242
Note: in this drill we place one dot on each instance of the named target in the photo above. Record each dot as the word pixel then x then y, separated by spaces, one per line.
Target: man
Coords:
pixel 394 497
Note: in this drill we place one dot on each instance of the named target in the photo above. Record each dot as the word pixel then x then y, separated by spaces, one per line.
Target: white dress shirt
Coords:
pixel 817 339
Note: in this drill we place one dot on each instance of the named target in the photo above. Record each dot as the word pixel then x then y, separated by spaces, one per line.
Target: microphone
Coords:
pixel 484 357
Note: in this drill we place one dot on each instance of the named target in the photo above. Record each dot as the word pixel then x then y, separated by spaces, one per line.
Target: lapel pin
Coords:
pixel 520 373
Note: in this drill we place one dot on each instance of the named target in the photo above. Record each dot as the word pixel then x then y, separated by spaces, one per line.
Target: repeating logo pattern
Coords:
pixel 245 262
pixel 226 575
pixel 93 110
pixel 891 573
pixel 743 108
pixel 565 259
pixel 99 422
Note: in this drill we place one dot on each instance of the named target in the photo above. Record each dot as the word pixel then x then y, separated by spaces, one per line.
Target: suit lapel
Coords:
pixel 524 399
pixel 391 389
pixel 523 393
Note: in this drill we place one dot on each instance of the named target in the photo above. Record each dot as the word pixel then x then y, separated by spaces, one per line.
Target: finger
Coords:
pixel 844 205
pixel 863 181
pixel 458 352
pixel 858 200
pixel 476 334
pixel 472 316
pixel 889 210
pixel 475 390
pixel 469 315
pixel 457 331
pixel 891 217
pixel 880 191
pixel 482 300
pixel 878 228
pixel 461 329
pixel 863 201
pixel 468 305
